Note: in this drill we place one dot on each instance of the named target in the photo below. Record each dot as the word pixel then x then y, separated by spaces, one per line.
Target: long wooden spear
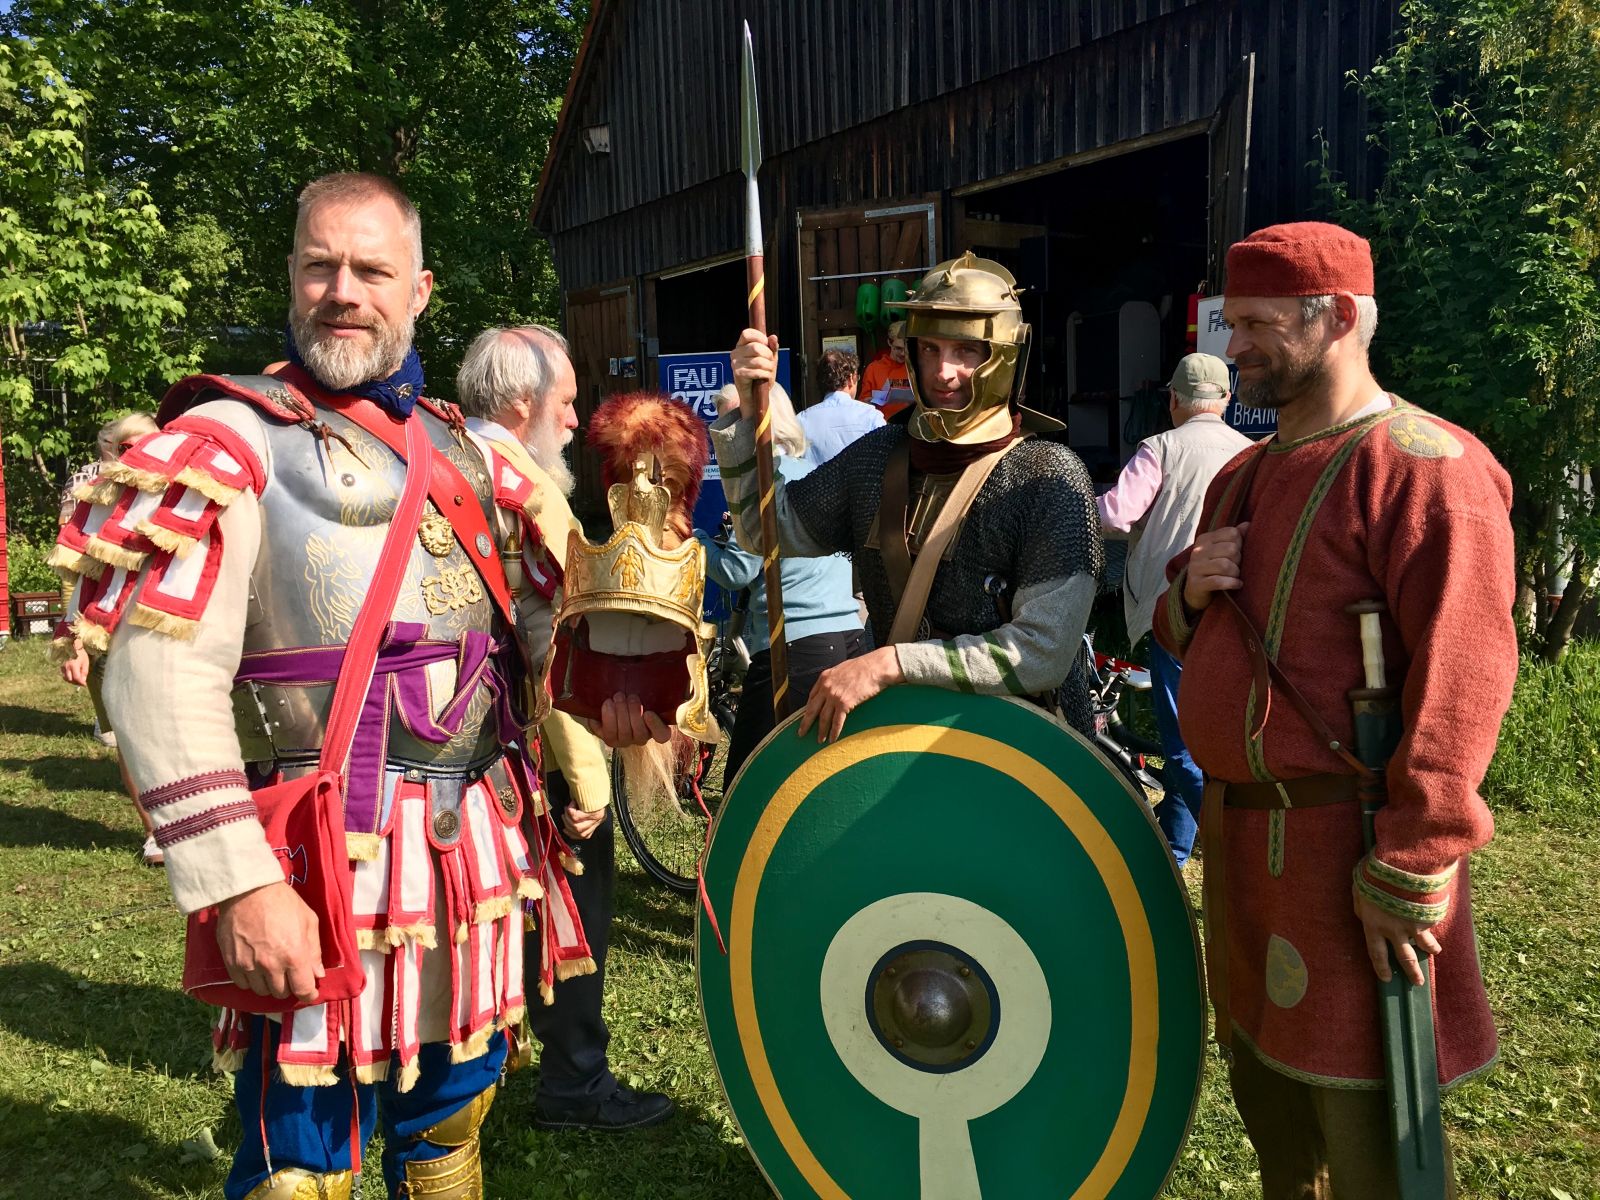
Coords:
pixel 766 475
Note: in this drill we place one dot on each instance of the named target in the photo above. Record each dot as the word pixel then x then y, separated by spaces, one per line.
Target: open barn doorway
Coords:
pixel 1108 254
pixel 701 309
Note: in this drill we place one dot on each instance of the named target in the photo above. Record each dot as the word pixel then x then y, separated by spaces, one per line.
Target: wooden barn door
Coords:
pixel 602 328
pixel 1230 169
pixel 844 248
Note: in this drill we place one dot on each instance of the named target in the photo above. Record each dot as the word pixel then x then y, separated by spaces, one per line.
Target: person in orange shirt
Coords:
pixel 888 371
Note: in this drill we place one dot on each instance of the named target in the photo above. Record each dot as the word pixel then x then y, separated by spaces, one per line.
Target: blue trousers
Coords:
pixel 1179 813
pixel 309 1127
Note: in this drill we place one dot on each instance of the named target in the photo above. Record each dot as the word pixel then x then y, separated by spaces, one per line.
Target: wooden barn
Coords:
pixel 1108 151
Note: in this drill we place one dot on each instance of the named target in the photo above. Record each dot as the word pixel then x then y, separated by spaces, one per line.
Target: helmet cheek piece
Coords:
pixel 996 383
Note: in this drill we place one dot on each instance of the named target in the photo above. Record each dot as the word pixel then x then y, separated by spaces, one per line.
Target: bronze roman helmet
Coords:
pixel 971 299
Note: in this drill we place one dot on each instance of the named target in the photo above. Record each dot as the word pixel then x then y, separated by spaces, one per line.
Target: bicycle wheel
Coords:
pixel 1121 732
pixel 668 835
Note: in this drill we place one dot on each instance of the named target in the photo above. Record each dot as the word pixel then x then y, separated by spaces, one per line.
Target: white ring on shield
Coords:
pixel 943 1103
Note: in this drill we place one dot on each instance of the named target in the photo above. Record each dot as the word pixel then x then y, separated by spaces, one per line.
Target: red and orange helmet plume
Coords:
pixel 637 424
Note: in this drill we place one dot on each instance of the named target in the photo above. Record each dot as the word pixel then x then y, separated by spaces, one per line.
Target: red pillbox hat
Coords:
pixel 1302 258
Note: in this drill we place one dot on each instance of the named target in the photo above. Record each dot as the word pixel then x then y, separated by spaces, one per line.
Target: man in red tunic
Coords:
pixel 1358 497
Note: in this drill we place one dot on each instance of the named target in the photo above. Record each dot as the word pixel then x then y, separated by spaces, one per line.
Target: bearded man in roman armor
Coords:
pixel 318 584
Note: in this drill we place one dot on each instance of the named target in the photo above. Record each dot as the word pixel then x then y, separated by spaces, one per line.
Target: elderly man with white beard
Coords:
pixel 518 389
pixel 301 585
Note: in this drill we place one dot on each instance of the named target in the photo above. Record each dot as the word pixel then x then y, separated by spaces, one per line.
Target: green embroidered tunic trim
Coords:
pixel 1278 615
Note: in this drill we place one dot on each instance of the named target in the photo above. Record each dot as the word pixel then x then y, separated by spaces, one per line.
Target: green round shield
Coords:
pixel 959 961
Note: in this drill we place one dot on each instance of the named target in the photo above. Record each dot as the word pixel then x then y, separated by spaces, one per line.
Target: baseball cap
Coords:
pixel 1200 377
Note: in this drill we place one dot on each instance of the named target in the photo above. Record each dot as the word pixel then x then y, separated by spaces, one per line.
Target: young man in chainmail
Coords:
pixel 1010 596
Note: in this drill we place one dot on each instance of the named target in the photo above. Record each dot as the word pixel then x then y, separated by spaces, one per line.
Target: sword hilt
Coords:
pixel 1370 614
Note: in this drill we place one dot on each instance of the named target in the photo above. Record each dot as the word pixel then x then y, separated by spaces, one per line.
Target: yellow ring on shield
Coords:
pixel 1113 871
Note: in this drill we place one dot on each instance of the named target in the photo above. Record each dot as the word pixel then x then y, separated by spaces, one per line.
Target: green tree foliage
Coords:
pixel 1484 229
pixel 223 112
pixel 87 307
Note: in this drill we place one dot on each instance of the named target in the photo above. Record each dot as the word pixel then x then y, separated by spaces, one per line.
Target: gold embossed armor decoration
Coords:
pixel 629 619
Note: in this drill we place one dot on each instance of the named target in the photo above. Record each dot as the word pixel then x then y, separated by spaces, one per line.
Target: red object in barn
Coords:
pixel 1191 339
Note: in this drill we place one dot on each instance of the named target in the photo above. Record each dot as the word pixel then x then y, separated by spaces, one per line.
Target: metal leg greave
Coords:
pixel 294 1183
pixel 457 1175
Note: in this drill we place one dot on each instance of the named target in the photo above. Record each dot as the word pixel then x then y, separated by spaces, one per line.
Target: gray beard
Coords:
pixel 340 364
pixel 1281 388
pixel 548 448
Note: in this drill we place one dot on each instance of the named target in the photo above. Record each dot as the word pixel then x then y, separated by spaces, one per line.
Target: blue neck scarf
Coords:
pixel 398 393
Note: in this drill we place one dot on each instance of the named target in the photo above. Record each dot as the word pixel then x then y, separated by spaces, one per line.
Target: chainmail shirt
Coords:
pixel 1031 534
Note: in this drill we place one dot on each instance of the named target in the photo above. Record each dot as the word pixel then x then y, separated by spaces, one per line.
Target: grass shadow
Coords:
pixel 68 772
pixel 55 1150
pixel 682 1157
pixel 649 918
pixel 130 1022
pixel 31 825
pixel 47 722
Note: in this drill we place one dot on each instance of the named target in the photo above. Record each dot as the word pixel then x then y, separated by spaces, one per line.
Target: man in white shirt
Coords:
pixel 1156 503
pixel 840 418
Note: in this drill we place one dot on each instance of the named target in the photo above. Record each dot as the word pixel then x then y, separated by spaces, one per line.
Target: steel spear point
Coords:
pixel 750 143
pixel 756 300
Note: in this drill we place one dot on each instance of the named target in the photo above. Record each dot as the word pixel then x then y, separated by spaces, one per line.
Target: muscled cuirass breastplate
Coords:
pixel 324 515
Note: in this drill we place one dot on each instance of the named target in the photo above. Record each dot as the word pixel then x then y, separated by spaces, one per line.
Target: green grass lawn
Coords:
pixel 105 1086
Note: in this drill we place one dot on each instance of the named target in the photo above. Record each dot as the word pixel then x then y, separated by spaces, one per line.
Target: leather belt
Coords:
pixel 1309 791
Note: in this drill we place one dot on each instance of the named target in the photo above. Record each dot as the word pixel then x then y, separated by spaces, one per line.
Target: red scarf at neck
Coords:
pixel 947 458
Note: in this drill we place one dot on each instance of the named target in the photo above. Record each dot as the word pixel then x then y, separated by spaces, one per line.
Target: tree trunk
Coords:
pixel 1559 635
pixel 1577 598
pixel 1524 609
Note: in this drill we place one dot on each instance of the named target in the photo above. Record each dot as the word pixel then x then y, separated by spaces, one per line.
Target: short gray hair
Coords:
pixel 504 365
pixel 359 187
pixel 1312 307
pixel 1200 404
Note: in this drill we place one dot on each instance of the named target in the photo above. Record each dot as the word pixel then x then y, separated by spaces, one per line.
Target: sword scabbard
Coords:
pixel 1405 1010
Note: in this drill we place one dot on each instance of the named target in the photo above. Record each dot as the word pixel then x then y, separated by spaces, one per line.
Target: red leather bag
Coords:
pixel 303 819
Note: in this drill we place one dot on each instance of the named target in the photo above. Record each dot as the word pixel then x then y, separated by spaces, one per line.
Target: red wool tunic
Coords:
pixel 1415 512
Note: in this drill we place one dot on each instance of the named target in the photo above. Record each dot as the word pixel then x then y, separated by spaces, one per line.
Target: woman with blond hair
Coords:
pixel 820 614
pixel 114 437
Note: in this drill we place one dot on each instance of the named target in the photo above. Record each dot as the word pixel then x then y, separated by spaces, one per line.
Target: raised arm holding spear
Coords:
pixel 755 407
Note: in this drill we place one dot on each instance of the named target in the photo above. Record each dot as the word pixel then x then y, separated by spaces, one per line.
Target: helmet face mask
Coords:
pixel 969 299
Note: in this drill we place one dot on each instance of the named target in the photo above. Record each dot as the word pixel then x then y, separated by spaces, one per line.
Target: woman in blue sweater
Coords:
pixel 820 612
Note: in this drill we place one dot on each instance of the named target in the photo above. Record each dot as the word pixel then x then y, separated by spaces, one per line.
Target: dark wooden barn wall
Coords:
pixel 663 74
pixel 1152 77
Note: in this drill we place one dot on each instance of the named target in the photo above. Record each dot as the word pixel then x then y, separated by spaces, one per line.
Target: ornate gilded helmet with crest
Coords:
pixel 630 615
pixel 970 299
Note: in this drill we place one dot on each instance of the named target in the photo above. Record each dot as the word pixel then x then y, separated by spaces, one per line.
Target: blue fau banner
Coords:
pixel 696 379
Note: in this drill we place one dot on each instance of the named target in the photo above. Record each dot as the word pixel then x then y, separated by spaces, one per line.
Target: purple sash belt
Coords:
pixel 399 688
